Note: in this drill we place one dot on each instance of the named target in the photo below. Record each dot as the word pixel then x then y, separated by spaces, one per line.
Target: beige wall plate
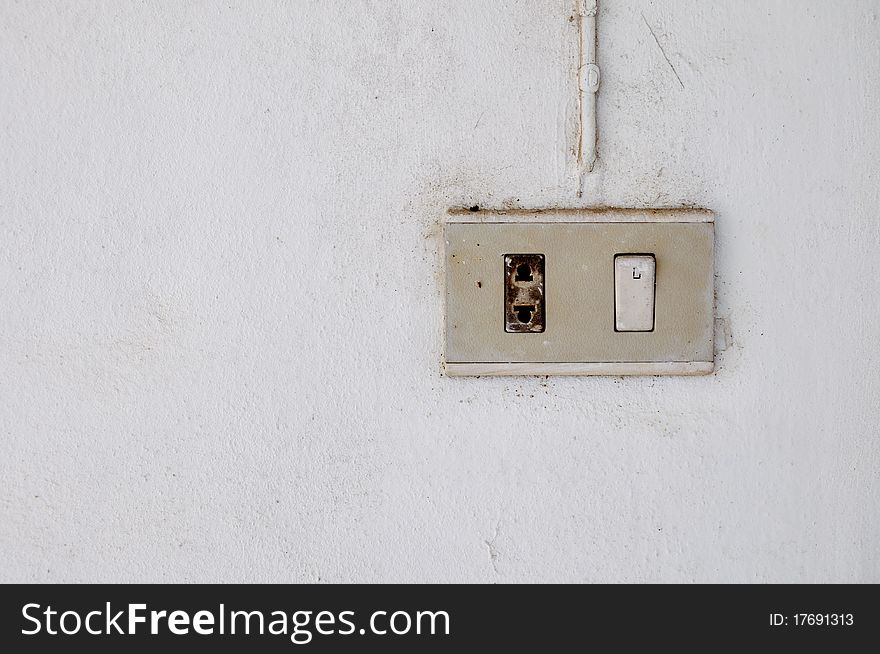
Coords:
pixel 577 298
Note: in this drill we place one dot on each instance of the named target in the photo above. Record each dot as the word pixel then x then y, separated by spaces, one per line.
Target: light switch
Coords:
pixel 634 276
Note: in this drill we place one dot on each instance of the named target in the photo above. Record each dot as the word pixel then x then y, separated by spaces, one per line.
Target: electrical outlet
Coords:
pixel 631 292
pixel 524 293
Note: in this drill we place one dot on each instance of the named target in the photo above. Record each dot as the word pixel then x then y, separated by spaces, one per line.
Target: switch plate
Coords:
pixel 579 334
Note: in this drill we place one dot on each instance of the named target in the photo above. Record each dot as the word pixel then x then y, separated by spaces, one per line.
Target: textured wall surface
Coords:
pixel 220 277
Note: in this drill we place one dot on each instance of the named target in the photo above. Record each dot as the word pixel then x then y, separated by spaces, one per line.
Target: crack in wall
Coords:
pixel 662 51
pixel 490 547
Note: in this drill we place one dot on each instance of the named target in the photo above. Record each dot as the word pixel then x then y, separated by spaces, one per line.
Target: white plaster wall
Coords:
pixel 220 301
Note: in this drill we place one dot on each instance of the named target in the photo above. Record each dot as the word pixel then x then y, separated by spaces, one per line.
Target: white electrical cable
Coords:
pixel 588 85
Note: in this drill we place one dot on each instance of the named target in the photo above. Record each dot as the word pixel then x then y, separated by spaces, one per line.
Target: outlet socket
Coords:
pixel 524 293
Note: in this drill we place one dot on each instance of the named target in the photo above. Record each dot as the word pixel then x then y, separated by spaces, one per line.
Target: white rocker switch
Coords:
pixel 634 279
